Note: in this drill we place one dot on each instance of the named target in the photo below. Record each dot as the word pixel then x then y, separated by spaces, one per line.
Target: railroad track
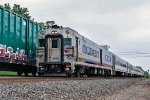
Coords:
pixel 38 79
pixel 49 78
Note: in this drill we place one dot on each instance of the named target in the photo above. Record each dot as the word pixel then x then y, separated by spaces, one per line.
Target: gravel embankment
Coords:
pixel 138 91
pixel 64 90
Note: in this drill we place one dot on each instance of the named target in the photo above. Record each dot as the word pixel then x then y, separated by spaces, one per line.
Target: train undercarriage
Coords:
pixel 79 71
pixel 19 66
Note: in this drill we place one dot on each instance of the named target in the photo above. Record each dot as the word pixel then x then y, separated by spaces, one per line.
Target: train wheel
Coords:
pixel 88 75
pixel 39 74
pixel 78 74
pixel 67 74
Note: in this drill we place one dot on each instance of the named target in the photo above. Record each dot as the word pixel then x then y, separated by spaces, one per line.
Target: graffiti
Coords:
pixel 9 53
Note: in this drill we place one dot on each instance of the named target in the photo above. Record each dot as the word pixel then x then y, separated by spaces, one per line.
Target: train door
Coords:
pixel 113 65
pixel 54 49
pixel 101 56
pixel 101 63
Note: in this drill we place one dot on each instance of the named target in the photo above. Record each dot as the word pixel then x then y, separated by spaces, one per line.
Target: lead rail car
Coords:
pixel 63 51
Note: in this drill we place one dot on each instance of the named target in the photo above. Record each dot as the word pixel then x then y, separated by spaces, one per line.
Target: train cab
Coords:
pixel 55 52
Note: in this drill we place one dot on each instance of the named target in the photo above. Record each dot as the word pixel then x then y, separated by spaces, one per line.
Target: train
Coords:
pixel 63 51
pixel 26 47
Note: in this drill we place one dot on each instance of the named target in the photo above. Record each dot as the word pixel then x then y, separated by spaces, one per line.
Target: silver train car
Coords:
pixel 64 52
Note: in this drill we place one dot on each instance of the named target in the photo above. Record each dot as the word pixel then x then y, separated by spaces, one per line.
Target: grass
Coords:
pixel 147 76
pixel 10 73
pixel 7 73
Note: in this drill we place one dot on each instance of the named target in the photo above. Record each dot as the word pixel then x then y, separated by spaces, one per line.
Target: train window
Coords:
pixel 106 57
pixel 67 42
pixel 117 63
pixel 124 65
pixel 95 53
pixel 109 59
pixel 41 42
pixel 55 43
pixel 92 52
pixel 84 49
pixel 88 50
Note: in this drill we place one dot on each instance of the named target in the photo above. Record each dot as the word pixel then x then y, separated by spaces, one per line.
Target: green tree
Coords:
pixel 21 11
pixel 41 24
pixel 7 6
pixel 50 23
pixel 47 23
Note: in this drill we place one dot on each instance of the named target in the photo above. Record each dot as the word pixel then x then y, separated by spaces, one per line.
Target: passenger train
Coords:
pixel 63 51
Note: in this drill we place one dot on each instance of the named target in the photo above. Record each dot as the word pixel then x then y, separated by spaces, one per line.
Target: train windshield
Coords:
pixel 67 42
pixel 41 42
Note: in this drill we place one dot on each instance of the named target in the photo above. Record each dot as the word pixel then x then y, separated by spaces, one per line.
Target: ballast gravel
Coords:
pixel 64 90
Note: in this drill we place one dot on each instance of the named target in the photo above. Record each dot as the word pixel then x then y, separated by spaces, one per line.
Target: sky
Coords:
pixel 124 25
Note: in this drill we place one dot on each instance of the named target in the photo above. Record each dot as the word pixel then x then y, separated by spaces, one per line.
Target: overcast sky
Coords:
pixel 124 25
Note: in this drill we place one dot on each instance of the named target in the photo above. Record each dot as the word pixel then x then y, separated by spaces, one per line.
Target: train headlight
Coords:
pixel 54 32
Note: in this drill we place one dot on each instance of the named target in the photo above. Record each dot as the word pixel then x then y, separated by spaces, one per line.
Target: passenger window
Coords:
pixel 88 50
pixel 110 59
pixel 92 52
pixel 84 49
pixel 106 57
pixel 95 53
pixel 67 42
